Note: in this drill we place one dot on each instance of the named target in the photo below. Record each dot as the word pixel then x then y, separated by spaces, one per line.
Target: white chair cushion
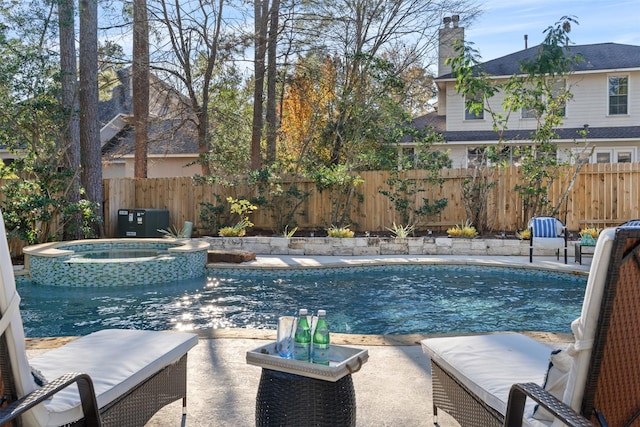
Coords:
pixel 11 325
pixel 555 381
pixel 584 328
pixel 490 364
pixel 116 361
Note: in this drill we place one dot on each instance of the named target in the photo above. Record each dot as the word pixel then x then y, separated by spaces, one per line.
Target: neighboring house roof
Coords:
pixel 166 137
pixel 170 130
pixel 563 133
pixel 600 56
pixel 437 123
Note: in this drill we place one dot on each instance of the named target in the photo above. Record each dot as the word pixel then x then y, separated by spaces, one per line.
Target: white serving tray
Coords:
pixel 342 361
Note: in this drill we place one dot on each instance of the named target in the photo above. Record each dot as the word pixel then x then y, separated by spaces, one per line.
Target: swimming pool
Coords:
pixel 405 299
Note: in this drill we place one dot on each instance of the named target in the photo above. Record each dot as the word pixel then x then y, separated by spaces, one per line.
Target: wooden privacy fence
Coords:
pixel 602 195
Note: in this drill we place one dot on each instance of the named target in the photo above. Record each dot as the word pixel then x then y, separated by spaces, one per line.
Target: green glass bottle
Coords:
pixel 302 338
pixel 321 340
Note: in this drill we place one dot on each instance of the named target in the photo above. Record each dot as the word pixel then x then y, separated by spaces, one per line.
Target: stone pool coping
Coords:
pixel 336 338
pixel 55 249
pixel 279 262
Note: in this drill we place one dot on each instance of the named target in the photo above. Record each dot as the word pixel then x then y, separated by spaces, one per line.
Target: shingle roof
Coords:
pixel 600 56
pixel 438 124
pixel 167 133
pixel 166 137
pixel 564 134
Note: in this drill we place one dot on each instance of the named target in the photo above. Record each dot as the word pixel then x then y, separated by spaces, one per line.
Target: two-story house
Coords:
pixel 606 101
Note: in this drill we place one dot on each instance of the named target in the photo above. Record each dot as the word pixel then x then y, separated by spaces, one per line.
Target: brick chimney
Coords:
pixel 449 34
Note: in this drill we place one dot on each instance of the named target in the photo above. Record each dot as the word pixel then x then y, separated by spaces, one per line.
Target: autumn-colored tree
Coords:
pixel 306 109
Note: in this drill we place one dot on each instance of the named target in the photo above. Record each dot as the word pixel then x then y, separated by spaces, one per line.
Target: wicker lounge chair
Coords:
pixel 125 375
pixel 482 380
pixel 547 232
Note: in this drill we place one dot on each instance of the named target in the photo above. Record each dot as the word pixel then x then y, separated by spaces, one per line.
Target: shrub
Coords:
pixel 592 231
pixel 341 232
pixel 400 231
pixel 465 230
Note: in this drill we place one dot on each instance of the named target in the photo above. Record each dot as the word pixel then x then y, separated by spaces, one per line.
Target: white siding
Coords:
pixel 588 106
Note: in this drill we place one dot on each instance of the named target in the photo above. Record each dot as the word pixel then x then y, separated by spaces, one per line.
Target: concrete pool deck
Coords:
pixel 392 389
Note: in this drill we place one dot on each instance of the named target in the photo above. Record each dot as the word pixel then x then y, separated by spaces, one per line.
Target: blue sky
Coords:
pixel 501 28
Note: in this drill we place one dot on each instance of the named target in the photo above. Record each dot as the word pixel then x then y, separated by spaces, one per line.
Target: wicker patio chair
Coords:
pixel 125 377
pixel 602 381
pixel 548 232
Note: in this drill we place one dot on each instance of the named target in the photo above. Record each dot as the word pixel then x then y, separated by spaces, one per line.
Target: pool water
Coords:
pixel 122 253
pixel 372 300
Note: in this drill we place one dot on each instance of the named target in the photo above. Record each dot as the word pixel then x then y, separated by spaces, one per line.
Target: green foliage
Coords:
pixel 174 232
pixel 401 231
pixel 230 121
pixel 283 202
pixel 363 118
pixel 403 189
pixel 237 230
pixel 212 216
pixel 541 90
pixel 36 202
pixel 476 189
pixel 465 230
pixel 37 209
pixel 340 232
pixel 242 208
pixel 401 193
pixel 287 234
pixel 341 184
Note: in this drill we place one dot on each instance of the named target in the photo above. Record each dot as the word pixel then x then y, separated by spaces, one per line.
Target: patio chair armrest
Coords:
pixel 518 395
pixel 85 388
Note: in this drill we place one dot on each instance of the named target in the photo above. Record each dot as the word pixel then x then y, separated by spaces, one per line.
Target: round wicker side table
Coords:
pixel 292 400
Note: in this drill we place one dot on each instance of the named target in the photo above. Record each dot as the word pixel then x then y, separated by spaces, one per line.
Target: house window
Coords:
pixel 624 156
pixel 558 89
pixel 475 157
pixel 603 157
pixel 472 114
pixel 513 154
pixel 618 94
pixel 614 155
pixel 527 113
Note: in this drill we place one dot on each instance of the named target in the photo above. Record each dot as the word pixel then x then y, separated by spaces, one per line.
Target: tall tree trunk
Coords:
pixel 70 138
pixel 261 9
pixel 272 74
pixel 90 150
pixel 140 81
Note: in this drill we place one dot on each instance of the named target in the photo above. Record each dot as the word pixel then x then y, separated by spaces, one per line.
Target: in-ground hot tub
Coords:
pixel 115 262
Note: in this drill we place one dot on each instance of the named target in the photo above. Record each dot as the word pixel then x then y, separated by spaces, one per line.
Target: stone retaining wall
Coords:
pixel 374 246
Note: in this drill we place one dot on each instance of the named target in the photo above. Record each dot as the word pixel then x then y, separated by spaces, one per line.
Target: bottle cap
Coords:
pixel 322 312
pixel 303 312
